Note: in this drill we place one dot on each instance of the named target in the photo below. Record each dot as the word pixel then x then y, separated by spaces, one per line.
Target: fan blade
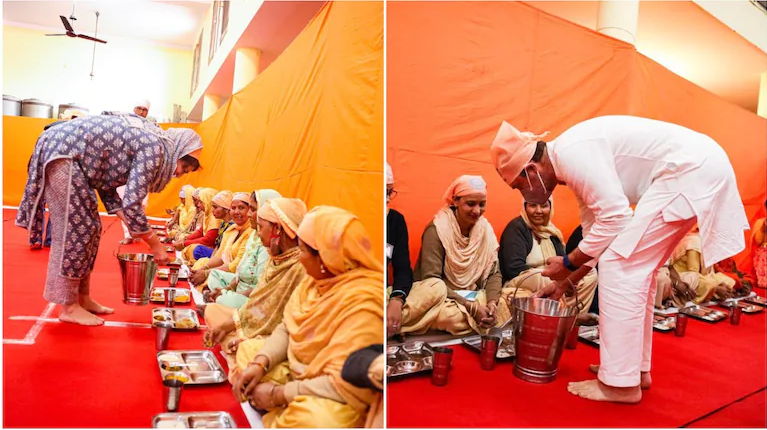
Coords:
pixel 91 38
pixel 60 34
pixel 66 23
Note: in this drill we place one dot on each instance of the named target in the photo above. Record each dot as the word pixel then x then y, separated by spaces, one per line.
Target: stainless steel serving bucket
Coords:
pixel 138 271
pixel 540 329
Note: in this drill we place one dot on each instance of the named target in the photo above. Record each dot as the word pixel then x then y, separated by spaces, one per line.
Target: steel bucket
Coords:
pixel 138 271
pixel 540 329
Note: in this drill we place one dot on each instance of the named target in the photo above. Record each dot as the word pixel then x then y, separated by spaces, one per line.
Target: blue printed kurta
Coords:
pixel 108 152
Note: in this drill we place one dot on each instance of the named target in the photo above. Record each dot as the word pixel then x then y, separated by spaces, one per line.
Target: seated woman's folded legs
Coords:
pixel 314 412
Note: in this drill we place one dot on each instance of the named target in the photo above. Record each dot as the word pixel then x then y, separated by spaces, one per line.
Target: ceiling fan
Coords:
pixel 71 31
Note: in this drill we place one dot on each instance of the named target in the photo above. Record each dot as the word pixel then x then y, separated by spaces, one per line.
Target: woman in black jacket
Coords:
pixel 526 243
pixel 399 274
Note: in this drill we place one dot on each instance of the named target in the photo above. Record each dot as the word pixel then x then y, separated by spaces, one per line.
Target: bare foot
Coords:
pixel 91 306
pixel 645 380
pixel 595 390
pixel 77 315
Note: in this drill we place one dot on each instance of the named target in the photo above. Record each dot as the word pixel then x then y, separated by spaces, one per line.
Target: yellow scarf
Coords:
pixel 186 216
pixel 209 221
pixel 266 304
pixel 235 237
pixel 329 319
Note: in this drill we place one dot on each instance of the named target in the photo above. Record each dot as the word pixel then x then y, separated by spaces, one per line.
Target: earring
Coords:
pixel 322 268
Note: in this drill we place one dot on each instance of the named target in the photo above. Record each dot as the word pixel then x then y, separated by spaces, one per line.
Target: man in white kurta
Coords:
pixel 673 175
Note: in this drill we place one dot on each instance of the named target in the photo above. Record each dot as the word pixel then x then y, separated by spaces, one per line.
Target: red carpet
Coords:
pixel 75 376
pixel 749 412
pixel 712 366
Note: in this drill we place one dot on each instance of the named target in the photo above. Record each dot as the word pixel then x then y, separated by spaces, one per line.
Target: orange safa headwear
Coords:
pixel 512 150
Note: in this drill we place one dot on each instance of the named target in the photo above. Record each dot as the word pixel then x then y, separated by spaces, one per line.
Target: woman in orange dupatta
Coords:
pixel 336 310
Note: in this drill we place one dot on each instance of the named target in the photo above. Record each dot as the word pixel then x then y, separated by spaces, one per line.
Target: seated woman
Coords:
pixel 232 248
pixel 759 251
pixel 336 310
pixel 459 254
pixel 203 242
pixel 688 262
pixel 233 289
pixel 241 331
pixel 195 216
pixel 526 243
pixel 399 277
pixel 176 212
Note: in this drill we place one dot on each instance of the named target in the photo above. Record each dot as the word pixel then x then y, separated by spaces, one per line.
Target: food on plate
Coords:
pixel 183 377
pixel 186 322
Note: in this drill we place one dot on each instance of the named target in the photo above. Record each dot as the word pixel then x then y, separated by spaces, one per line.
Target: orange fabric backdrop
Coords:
pixel 310 126
pixel 455 70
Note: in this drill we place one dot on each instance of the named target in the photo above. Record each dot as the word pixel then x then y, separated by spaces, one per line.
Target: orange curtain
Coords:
pixel 455 70
pixel 309 126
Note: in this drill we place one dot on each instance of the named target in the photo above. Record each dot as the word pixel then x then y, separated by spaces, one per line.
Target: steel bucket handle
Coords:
pixel 578 302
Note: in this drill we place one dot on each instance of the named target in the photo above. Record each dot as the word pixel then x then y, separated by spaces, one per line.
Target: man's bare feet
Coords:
pixel 645 380
pixel 93 307
pixel 77 315
pixel 597 391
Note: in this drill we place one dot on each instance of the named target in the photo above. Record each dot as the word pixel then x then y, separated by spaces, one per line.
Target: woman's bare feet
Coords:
pixel 645 380
pixel 597 391
pixel 93 307
pixel 76 314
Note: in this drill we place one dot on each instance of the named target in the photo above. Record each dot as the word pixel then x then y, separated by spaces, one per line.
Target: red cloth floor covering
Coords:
pixel 712 366
pixel 74 376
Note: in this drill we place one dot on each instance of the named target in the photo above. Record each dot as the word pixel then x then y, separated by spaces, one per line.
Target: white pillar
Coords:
pixel 761 110
pixel 245 67
pixel 210 104
pixel 619 19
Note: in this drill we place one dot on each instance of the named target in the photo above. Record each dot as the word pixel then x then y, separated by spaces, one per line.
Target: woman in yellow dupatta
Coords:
pixel 204 242
pixel 175 213
pixel 336 310
pixel 232 248
pixel 527 242
pixel 688 262
pixel 242 331
pixel 186 219
pixel 458 260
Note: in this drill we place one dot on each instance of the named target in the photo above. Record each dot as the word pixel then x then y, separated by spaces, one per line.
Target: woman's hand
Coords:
pixel 214 295
pixel 198 277
pixel 246 383
pixel 262 397
pixel 179 245
pixel 555 269
pixel 231 346
pixel 484 316
pixel 213 336
pixel 393 316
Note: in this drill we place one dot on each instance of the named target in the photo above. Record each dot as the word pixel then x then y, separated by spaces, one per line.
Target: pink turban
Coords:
pixel 512 150
pixel 464 185
pixel 223 199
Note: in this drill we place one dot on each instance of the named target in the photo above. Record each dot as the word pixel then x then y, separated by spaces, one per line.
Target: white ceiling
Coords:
pixel 175 23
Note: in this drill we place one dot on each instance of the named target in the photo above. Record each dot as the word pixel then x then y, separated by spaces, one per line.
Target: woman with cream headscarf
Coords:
pixel 208 227
pixel 233 289
pixel 193 218
pixel 176 212
pixel 242 331
pixel 688 261
pixel 526 243
pixel 336 310
pixel 205 241
pixel 458 283
pixel 232 248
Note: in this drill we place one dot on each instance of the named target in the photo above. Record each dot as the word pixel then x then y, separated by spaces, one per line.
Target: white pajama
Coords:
pixel 674 176
pixel 121 193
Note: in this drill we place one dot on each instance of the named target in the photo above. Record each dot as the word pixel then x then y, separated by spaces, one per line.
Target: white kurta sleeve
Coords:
pixel 588 168
pixel 587 220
